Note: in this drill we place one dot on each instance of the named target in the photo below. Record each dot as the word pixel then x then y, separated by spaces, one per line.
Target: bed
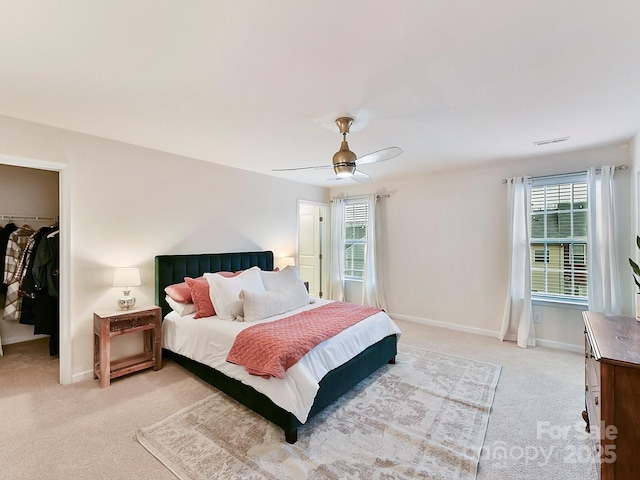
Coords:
pixel 172 269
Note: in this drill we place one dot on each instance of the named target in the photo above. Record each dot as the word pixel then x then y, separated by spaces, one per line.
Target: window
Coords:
pixel 559 214
pixel 356 217
pixel 539 256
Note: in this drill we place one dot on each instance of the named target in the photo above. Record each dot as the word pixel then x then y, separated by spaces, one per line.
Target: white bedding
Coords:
pixel 208 340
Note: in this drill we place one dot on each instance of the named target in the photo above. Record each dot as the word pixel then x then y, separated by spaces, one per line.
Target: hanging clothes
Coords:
pixel 15 251
pixel 46 268
pixel 7 230
pixel 27 281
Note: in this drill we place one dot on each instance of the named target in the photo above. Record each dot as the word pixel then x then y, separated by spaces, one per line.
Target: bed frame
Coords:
pixel 170 269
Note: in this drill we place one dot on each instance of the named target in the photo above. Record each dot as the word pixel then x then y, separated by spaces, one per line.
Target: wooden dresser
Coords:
pixel 612 396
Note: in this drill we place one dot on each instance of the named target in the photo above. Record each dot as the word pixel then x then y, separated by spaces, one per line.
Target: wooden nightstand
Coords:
pixel 119 322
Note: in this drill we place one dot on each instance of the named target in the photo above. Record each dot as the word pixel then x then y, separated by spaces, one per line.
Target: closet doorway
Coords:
pixel 312 250
pixel 42 202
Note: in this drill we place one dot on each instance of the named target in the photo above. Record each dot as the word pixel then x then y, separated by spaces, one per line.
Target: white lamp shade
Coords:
pixel 282 262
pixel 126 277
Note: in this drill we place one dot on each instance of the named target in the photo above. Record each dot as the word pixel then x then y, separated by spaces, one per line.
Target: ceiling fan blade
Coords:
pixel 301 168
pixel 360 177
pixel 379 156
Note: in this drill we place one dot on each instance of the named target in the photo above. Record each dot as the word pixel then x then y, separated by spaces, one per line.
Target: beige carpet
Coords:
pixel 424 417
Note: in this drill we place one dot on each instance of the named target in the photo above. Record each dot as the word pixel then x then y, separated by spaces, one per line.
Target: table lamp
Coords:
pixel 126 278
pixel 282 262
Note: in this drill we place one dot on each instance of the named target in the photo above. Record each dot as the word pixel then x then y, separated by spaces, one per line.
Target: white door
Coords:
pixel 311 246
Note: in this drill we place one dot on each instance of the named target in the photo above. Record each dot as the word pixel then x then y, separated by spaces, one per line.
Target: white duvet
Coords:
pixel 208 340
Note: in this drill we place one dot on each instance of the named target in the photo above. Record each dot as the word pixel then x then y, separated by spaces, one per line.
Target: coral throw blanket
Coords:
pixel 269 349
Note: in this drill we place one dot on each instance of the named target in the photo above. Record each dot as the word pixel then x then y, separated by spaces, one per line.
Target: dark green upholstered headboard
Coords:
pixel 172 269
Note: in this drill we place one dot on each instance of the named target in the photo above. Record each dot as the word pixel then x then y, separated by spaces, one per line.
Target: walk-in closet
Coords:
pixel 29 256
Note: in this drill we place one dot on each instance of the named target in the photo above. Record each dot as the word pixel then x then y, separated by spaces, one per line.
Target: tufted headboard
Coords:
pixel 172 269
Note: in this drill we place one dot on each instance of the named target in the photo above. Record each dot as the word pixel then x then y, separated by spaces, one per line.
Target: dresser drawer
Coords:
pixel 593 401
pixel 592 373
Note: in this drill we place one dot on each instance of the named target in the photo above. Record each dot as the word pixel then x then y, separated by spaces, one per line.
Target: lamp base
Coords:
pixel 126 302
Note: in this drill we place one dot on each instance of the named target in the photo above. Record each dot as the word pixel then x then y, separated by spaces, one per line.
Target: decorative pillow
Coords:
pixel 200 293
pixel 277 280
pixel 179 292
pixel 182 308
pixel 229 274
pixel 259 305
pixel 225 291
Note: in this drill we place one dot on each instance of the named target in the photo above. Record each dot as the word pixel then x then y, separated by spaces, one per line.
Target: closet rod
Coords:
pixel 26 217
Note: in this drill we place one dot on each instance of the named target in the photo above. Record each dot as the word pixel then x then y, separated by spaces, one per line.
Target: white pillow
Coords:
pixel 182 308
pixel 225 291
pixel 259 305
pixel 280 279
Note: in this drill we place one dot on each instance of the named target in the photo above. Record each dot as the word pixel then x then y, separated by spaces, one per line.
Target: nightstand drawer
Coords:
pixel 119 324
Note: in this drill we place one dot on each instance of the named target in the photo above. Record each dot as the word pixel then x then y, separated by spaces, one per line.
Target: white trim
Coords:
pixel 569 347
pixel 577 177
pixel 82 376
pixel 66 273
pixel 19 339
pixel 560 303
pixel 65 350
pixel 451 326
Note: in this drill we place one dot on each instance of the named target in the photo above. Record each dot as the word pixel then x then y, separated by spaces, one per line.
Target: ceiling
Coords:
pixel 257 84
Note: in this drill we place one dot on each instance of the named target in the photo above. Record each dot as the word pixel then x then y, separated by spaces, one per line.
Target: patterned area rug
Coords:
pixel 424 417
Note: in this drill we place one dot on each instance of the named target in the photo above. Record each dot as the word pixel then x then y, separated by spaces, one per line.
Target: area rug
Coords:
pixel 424 417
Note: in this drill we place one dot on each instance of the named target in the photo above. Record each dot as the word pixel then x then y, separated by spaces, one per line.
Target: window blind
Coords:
pixel 559 214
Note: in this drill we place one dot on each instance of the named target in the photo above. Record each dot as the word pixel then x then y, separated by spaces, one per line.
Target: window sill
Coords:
pixel 353 280
pixel 560 302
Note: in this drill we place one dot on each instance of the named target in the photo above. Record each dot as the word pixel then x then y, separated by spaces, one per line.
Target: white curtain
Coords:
pixel 517 323
pixel 373 286
pixel 602 260
pixel 336 275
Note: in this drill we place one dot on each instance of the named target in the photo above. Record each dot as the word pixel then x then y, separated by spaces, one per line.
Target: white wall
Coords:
pixel 446 242
pixel 128 204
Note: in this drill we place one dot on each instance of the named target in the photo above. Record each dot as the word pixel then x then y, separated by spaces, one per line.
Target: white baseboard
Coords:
pixel 487 333
pixel 450 326
pixel 560 346
pixel 82 376
pixel 20 339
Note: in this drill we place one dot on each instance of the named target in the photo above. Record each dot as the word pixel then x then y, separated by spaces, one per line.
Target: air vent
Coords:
pixel 551 140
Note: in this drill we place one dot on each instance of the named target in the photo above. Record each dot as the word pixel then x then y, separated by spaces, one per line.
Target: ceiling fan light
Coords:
pixel 344 170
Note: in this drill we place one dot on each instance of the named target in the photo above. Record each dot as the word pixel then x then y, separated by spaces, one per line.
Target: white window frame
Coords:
pixel 538 298
pixel 350 242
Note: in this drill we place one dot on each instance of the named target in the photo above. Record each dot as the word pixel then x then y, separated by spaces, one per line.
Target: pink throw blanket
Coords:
pixel 270 348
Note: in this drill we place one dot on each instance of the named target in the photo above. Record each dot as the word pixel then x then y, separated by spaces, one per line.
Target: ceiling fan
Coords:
pixel 345 162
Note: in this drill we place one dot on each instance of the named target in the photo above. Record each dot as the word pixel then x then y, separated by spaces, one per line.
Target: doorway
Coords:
pixel 65 359
pixel 312 241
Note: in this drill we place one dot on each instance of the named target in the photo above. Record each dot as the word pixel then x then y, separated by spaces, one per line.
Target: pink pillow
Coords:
pixel 179 292
pixel 229 274
pixel 200 293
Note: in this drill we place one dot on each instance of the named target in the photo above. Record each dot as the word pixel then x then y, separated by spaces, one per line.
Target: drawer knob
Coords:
pixel 134 324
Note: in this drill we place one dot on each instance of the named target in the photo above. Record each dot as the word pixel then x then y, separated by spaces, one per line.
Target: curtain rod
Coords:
pixel 618 167
pixel 385 195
